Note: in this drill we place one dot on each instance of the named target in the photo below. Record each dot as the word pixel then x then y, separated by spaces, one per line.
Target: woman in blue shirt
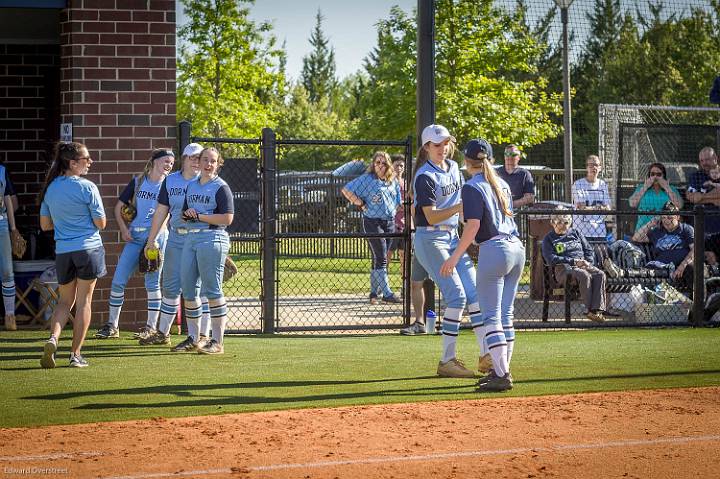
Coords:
pixel 377 194
pixel 209 210
pixel 487 209
pixel 144 189
pixel 7 224
pixel 72 206
pixel 438 204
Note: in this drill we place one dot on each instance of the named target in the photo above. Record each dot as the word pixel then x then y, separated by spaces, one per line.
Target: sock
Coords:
pixel 153 308
pixel 374 282
pixel 193 311
pixel 168 313
pixel 510 340
pixel 218 317
pixel 205 320
pixel 384 284
pixel 450 330
pixel 8 294
pixel 117 297
pixel 477 322
pixel 495 337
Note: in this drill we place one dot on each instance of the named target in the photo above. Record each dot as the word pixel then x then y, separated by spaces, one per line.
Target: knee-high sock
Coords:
pixel 477 322
pixel 384 284
pixel 205 320
pixel 153 302
pixel 168 313
pixel 450 330
pixel 509 331
pixel 218 318
pixel 8 294
pixel 193 311
pixel 495 337
pixel 117 297
pixel 374 281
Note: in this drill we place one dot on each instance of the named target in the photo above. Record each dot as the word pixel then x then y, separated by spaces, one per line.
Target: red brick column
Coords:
pixel 118 91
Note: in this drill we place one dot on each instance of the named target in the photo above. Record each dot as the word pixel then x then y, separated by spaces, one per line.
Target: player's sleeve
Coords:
pixel 9 188
pixel 473 203
pixel 224 200
pixel 163 197
pixel 425 191
pixel 95 204
pixel 128 192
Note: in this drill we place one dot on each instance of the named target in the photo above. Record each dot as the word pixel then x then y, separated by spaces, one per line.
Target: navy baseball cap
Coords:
pixel 476 148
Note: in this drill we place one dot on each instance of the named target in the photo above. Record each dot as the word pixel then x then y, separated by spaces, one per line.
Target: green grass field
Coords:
pixel 259 373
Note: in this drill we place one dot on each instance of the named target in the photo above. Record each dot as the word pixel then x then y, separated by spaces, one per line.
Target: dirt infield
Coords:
pixel 644 434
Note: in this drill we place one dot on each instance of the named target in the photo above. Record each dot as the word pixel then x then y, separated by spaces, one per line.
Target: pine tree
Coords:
pixel 318 73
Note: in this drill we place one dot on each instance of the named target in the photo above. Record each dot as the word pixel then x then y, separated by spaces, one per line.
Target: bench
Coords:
pixel 570 292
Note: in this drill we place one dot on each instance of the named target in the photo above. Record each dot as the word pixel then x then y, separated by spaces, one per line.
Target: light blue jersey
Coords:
pixel 214 197
pixel 381 198
pixel 172 195
pixel 6 189
pixel 72 203
pixel 145 201
pixel 435 187
pixel 480 203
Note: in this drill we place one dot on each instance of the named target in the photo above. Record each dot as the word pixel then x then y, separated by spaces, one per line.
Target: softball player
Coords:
pixel 145 189
pixel 209 210
pixel 72 206
pixel 487 210
pixel 437 201
pixel 170 202
pixel 7 224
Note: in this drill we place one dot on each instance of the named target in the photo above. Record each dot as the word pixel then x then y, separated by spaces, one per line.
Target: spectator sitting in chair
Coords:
pixel 569 253
pixel 672 244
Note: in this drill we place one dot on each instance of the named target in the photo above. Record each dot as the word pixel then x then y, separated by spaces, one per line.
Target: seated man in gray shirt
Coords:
pixel 522 185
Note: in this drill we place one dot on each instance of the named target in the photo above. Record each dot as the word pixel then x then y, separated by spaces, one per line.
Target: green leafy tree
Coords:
pixel 318 72
pixel 228 71
pixel 487 81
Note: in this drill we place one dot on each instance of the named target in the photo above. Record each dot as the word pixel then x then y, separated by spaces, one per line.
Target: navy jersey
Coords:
pixel 213 197
pixel 672 246
pixel 172 195
pixel 558 249
pixel 480 203
pixel 435 187
pixel 6 189
pixel 145 201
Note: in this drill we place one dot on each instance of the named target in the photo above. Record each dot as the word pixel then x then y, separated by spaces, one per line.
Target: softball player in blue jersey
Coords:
pixel 487 209
pixel 72 206
pixel 209 210
pixel 170 202
pixel 436 189
pixel 145 189
pixel 378 195
pixel 7 224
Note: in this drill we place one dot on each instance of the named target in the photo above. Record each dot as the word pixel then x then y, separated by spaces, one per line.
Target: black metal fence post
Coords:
pixel 268 150
pixel 698 267
pixel 184 133
pixel 407 239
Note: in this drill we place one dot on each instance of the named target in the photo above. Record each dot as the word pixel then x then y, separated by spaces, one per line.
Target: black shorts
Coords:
pixel 397 244
pixel 84 264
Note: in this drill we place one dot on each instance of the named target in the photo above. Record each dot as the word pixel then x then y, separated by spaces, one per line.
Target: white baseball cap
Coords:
pixel 193 149
pixel 436 134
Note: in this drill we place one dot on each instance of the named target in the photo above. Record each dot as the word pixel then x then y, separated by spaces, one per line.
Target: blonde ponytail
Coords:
pixel 486 167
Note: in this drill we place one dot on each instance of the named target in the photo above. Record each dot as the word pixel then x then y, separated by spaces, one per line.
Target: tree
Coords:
pixel 228 78
pixel 318 73
pixel 486 77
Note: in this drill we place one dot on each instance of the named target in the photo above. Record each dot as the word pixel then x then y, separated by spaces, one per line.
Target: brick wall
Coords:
pixel 117 87
pixel 29 115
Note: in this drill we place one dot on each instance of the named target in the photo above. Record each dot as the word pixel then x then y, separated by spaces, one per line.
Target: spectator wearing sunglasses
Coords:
pixel 569 253
pixel 520 180
pixel 700 190
pixel 653 194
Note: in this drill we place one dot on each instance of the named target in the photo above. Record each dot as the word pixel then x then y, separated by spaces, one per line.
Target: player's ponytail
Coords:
pixel 63 153
pixel 485 166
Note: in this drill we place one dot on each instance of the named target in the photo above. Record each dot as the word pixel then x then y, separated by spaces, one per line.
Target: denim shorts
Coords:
pixel 83 264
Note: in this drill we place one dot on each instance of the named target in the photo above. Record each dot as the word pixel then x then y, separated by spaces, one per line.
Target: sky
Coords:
pixel 349 24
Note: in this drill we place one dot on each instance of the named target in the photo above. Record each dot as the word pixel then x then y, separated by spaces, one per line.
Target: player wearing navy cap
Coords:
pixel 436 185
pixel 209 210
pixel 72 206
pixel 144 188
pixel 487 209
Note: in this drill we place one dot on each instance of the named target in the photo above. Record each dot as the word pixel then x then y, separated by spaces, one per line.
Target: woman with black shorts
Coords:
pixel 72 206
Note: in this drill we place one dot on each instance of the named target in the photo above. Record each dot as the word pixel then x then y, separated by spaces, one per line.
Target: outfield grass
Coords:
pixel 260 373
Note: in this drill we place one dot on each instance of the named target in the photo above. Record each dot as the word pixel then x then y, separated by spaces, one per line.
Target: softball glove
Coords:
pixel 149 265
pixel 230 269
pixel 18 244
pixel 128 213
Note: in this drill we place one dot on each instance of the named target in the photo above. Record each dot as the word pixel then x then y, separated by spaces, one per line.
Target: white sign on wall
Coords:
pixel 66 132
